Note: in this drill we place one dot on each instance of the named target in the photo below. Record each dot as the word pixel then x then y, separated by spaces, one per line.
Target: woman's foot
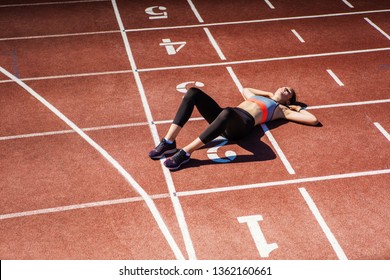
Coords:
pixel 162 149
pixel 175 161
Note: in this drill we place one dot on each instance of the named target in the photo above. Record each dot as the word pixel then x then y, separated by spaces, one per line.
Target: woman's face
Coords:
pixel 284 94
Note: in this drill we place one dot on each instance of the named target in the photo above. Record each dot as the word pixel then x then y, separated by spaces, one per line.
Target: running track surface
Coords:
pixel 88 87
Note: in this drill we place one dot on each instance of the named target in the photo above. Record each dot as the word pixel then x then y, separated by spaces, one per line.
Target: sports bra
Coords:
pixel 266 105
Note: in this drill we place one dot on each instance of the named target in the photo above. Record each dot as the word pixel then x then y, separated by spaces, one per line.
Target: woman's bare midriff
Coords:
pixel 253 109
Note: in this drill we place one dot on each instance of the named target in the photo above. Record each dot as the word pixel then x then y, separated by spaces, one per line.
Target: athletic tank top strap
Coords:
pixel 267 106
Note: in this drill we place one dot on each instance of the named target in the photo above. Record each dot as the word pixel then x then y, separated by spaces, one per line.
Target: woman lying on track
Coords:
pixel 231 122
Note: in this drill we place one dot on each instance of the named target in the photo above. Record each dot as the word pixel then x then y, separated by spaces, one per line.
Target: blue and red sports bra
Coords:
pixel 267 106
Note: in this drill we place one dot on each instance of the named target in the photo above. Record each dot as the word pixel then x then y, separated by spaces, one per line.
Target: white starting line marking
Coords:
pixel 333 75
pixel 348 4
pixel 297 35
pixel 377 28
pixel 332 239
pixel 200 19
pixel 189 193
pixel 383 131
pixel 269 4
pixel 214 43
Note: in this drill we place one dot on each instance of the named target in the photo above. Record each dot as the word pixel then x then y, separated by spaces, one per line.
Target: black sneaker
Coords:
pixel 175 161
pixel 163 149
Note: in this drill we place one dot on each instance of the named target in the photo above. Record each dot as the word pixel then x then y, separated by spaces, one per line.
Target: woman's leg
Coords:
pixel 194 97
pixel 207 107
pixel 234 123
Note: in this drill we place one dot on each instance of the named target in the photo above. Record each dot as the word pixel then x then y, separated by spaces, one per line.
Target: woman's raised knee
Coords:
pixel 192 93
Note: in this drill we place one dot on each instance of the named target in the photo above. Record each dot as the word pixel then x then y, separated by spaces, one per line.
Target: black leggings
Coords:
pixel 233 123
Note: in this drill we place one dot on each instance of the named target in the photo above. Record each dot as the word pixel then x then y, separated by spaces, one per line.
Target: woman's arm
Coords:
pixel 296 114
pixel 249 92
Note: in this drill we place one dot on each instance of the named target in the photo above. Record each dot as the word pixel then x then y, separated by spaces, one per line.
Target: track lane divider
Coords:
pixel 195 10
pixel 382 130
pixel 168 178
pixel 325 228
pixel 149 202
pixel 378 28
pixel 118 126
pixel 191 193
pixel 333 75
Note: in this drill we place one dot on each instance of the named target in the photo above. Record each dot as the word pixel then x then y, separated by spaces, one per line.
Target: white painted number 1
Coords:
pixel 254 227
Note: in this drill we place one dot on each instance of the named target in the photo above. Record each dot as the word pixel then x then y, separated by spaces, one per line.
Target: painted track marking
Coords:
pixel 214 44
pixel 269 4
pixel 78 206
pixel 383 131
pixel 190 193
pixel 348 4
pixel 297 35
pixel 118 126
pixel 284 182
pixel 237 62
pixel 52 3
pixel 149 202
pixel 193 8
pixel 333 75
pixel 168 178
pixel 256 21
pixel 378 28
pixel 325 228
pixel 203 24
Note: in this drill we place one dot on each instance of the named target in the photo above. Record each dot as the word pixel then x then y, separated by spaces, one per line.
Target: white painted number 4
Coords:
pixel 172 47
pixel 254 227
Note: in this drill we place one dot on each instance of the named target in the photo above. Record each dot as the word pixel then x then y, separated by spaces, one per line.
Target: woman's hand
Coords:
pixel 295 108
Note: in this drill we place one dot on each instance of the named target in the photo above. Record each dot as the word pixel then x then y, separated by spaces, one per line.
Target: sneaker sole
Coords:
pixel 177 167
pixel 165 153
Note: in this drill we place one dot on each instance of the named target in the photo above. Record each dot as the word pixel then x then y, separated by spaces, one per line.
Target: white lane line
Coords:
pixel 149 202
pixel 255 21
pixel 168 178
pixel 383 131
pixel 78 206
pixel 267 132
pixel 333 75
pixel 263 60
pixel 348 4
pixel 359 103
pixel 297 35
pixel 378 28
pixel 278 150
pixel 285 182
pixel 199 25
pixel 269 4
pixel 214 43
pixel 60 132
pixel 51 3
pixel 325 228
pixel 58 35
pixel 200 19
pixel 167 195
pixel 70 76
pixel 97 128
